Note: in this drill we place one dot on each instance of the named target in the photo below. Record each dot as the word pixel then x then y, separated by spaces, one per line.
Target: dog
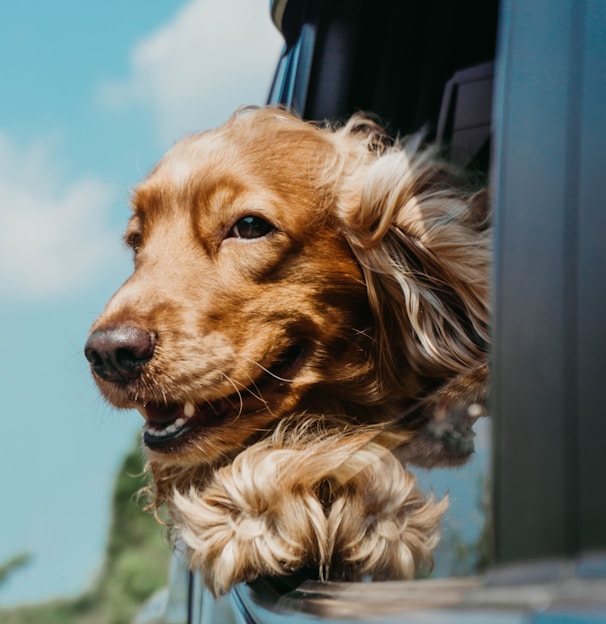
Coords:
pixel 308 317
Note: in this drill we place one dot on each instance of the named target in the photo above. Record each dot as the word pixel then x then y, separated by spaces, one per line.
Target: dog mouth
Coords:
pixel 170 425
pixel 168 422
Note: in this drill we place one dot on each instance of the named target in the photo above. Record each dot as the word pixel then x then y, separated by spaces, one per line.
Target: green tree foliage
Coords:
pixel 135 566
pixel 14 563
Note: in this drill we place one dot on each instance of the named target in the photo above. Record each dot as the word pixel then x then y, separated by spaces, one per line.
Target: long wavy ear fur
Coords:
pixel 423 242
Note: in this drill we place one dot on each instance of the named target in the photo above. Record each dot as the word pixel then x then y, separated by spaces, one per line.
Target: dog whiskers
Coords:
pixel 235 387
pixel 257 392
pixel 266 370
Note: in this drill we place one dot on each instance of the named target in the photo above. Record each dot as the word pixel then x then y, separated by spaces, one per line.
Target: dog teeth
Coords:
pixel 167 431
pixel 156 428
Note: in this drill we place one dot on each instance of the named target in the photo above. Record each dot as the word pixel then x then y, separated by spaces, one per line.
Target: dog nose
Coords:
pixel 118 354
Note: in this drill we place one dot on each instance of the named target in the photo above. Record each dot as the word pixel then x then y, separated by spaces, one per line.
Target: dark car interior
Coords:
pixel 413 64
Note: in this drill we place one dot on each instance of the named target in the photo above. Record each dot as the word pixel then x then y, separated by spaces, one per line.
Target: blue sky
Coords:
pixel 92 94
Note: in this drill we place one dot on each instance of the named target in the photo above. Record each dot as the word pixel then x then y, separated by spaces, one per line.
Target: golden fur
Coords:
pixel 318 299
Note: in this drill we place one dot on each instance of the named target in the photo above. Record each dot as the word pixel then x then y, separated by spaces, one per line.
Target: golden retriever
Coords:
pixel 308 312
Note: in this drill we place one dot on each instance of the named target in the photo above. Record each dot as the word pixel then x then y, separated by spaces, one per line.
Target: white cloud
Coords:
pixel 53 234
pixel 196 70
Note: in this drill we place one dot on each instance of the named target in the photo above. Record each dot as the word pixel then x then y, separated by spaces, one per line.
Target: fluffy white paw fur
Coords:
pixel 344 506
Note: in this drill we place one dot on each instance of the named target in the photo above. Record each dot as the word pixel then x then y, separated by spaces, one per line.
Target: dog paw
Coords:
pixel 274 511
pixel 247 522
pixel 382 526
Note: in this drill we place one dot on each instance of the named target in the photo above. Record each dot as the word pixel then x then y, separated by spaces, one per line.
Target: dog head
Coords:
pixel 285 268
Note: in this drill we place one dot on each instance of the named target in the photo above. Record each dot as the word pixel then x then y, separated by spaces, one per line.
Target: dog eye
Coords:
pixel 250 227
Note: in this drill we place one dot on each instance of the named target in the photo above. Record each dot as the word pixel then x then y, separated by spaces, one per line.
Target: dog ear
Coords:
pixel 423 245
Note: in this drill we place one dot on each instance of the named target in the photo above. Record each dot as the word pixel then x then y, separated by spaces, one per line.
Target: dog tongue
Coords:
pixel 163 414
